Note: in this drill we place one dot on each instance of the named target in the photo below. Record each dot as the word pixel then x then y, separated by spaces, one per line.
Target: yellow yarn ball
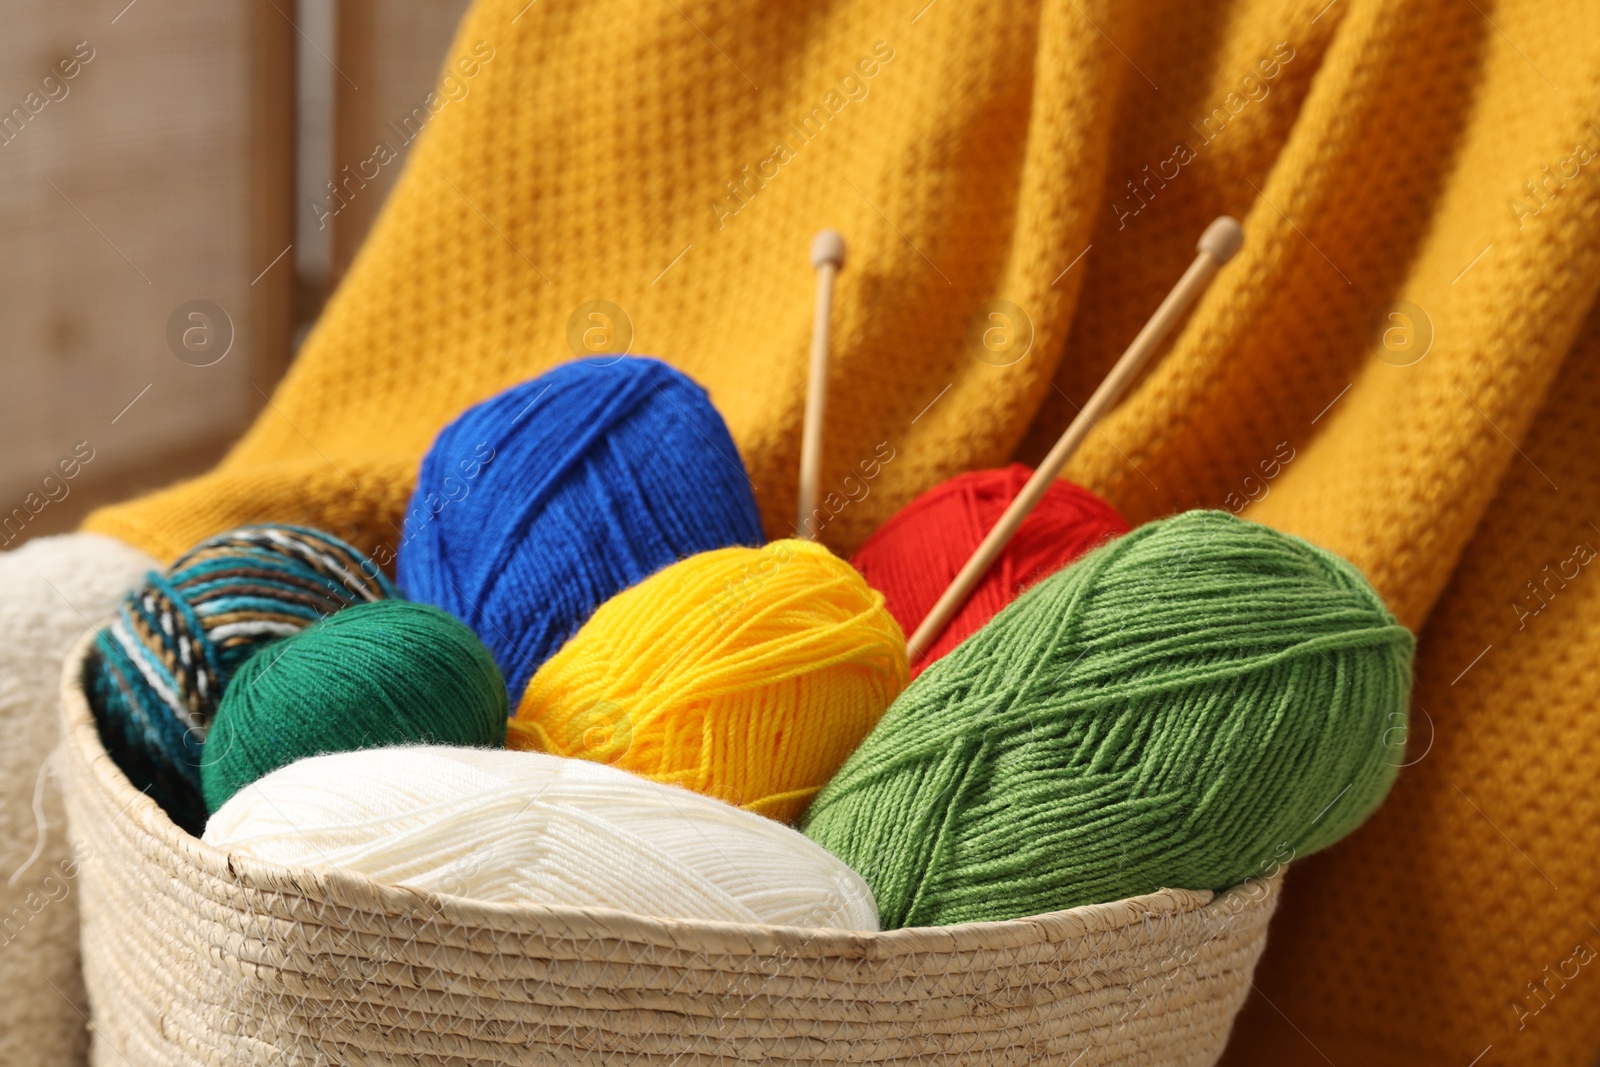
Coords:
pixel 747 674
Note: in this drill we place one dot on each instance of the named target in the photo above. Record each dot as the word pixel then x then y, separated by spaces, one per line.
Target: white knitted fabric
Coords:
pixel 51 591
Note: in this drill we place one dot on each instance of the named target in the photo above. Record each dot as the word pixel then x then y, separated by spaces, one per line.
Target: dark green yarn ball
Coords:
pixel 1189 706
pixel 385 673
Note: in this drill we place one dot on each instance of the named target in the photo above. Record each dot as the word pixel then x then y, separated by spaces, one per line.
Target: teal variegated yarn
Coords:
pixel 1193 704
pixel 158 671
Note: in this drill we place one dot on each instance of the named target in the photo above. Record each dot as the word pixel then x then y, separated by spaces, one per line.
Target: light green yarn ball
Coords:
pixel 1185 707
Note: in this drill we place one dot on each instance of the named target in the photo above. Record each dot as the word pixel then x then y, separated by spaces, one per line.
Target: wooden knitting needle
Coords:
pixel 827 256
pixel 1217 245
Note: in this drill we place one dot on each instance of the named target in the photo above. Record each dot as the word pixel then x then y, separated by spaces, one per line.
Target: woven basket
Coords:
pixel 195 956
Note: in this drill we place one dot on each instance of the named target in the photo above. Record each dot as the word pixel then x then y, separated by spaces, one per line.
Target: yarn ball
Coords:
pixel 531 829
pixel 537 505
pixel 745 673
pixel 386 673
pixel 1193 704
pixel 158 672
pixel 915 556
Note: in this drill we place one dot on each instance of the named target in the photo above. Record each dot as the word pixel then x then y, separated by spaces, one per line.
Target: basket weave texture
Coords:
pixel 193 956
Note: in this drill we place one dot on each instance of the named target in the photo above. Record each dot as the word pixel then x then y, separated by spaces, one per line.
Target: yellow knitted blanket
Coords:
pixel 1400 365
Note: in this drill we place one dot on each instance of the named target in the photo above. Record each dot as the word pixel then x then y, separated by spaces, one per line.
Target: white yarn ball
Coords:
pixel 531 828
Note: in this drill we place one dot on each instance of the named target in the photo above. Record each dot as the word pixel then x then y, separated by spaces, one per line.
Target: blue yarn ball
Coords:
pixel 538 505
pixel 157 673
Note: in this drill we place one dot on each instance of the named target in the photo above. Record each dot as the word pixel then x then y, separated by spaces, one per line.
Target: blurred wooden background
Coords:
pixel 184 160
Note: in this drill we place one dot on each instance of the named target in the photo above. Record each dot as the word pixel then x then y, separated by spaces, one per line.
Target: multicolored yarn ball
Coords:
pixel 537 505
pixel 745 673
pixel 159 670
pixel 1191 705
pixel 914 556
pixel 534 830
pixel 386 673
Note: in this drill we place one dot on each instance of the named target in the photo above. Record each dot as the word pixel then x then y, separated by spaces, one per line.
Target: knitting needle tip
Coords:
pixel 1220 241
pixel 828 247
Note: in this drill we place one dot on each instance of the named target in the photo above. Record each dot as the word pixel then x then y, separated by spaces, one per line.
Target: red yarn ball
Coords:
pixel 916 554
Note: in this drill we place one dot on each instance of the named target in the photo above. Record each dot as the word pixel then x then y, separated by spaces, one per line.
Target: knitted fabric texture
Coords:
pixel 386 673
pixel 537 505
pixel 52 589
pixel 914 557
pixel 1386 158
pixel 747 673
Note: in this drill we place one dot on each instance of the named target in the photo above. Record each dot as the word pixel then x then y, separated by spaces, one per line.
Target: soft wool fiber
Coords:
pixel 386 673
pixel 917 553
pixel 746 673
pixel 538 504
pixel 158 671
pixel 52 590
pixel 1193 704
pixel 527 828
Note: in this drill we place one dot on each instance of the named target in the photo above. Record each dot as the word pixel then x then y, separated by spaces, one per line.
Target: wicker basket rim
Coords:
pixel 357 891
